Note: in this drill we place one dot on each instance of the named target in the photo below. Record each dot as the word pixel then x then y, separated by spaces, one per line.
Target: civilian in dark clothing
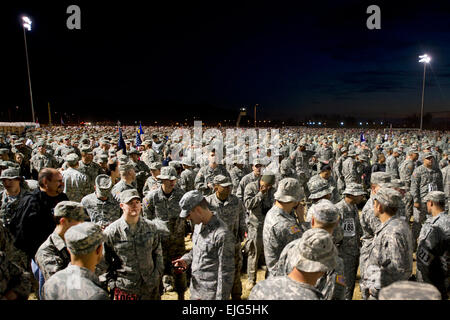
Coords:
pixel 24 168
pixel 380 165
pixel 33 221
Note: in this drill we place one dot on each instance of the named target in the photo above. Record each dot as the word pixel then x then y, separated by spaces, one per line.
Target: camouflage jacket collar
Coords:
pixel 58 242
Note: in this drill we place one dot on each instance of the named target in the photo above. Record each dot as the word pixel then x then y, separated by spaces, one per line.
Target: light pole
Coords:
pixel 255 113
pixel 425 59
pixel 27 25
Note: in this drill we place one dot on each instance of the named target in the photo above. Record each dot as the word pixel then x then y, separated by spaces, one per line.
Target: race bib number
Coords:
pixel 349 227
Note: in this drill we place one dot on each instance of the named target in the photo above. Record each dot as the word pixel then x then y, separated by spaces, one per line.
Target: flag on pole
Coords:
pixel 62 122
pixel 138 139
pixel 121 144
pixel 362 137
pixel 141 131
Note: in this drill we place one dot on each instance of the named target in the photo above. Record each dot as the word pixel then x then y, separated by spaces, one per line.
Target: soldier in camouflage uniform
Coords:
pixel 204 178
pixel 237 172
pixel 52 255
pixel 284 221
pixel 103 148
pixel 446 181
pixel 407 167
pixel 424 179
pixel 392 164
pixel 253 176
pixel 339 177
pixel 163 204
pixel 258 199
pixel 141 169
pixel 349 169
pixel 11 196
pixel 325 177
pixel 88 167
pixel 15 282
pixel 41 160
pixel 390 255
pixel 312 257
pixel 152 182
pixel 409 290
pixel 78 280
pixel 100 205
pixel 349 248
pixel 62 151
pixel 76 184
pixel 187 176
pixel 405 211
pixel 433 251
pixel 230 210
pixel 149 155
pixel 212 255
pixel 133 253
pixel 127 180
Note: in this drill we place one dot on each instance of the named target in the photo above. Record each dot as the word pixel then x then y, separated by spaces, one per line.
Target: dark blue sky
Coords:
pixel 291 58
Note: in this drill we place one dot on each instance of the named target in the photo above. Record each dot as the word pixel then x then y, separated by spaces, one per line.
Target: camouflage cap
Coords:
pixel 128 195
pixel 71 158
pixel 112 152
pixel 176 164
pixel 134 151
pixel 413 150
pixel 315 252
pixel 397 150
pixel 187 161
pixel 104 141
pixel 86 149
pixel 268 177
pixel 324 211
pixel 103 185
pixel 398 184
pixel 363 157
pixel 388 197
pixel 380 177
pixel 344 149
pixel 102 158
pixel 257 161
pixel 318 189
pixel 285 166
pixel 222 181
pixel 84 238
pixel 289 190
pixel 351 153
pixel 123 167
pixel 4 151
pixel 167 173
pixel 123 158
pixel 409 290
pixel 11 173
pixel 40 144
pixel 427 155
pixel 189 201
pixel 147 142
pixel 435 196
pixel 155 166
pixel 354 189
pixel 70 209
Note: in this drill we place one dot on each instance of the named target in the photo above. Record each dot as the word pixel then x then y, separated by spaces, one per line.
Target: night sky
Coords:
pixel 166 60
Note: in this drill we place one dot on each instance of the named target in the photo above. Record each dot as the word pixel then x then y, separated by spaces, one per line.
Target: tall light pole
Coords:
pixel 27 25
pixel 425 59
pixel 255 113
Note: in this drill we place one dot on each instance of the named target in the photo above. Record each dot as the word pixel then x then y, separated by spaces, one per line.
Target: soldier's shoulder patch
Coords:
pixel 294 229
pixel 340 279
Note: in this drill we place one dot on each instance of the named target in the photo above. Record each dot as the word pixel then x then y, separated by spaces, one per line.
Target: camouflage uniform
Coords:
pixel 236 177
pixel 258 204
pixel 317 179
pixel 187 180
pixel 211 260
pixel 446 182
pixel 91 170
pixel 349 171
pixel 119 187
pixel 243 184
pixel 151 184
pixel 134 258
pixel 433 252
pixel 101 212
pixel 8 205
pixel 392 167
pixel 409 290
pixel 232 212
pixel 40 161
pixel 12 276
pixel 74 282
pixel 52 256
pixel 142 173
pixel 284 288
pixel 405 171
pixel 423 180
pixel 157 205
pixel 76 184
pixel 206 175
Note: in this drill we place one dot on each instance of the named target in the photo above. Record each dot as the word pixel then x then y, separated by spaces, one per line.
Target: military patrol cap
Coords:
pixel 268 177
pixel 123 158
pixel 155 166
pixel 112 152
pixel 351 153
pixel 103 185
pixel 4 151
pixel 11 173
pixel 388 197
pixel 435 196
pixel 344 149
pixel 324 211
pixel 84 238
pixel 128 195
pixel 71 158
pixel 354 189
pixel 427 155
pixel 102 157
pixel 85 149
pixel 318 190
pixel 397 150
pixel 289 190
pixel 380 177
pixel 409 290
pixel 3 164
pixel 104 141
pixel 167 173
pixel 70 209
pixel 222 181
pixel 176 164
pixel 315 252
pixel 285 166
pixel 189 201
pixel 187 161
pixel 40 144
pixel 397 183
pixel 413 150
pixel 363 157
pixel 134 151
pixel 125 167
pixel 147 142
pixel 257 161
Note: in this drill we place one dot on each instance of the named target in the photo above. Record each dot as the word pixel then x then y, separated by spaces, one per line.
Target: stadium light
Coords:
pixel 425 59
pixel 27 25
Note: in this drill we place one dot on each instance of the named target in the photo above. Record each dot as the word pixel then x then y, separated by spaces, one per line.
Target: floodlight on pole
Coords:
pixel 27 25
pixel 425 59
